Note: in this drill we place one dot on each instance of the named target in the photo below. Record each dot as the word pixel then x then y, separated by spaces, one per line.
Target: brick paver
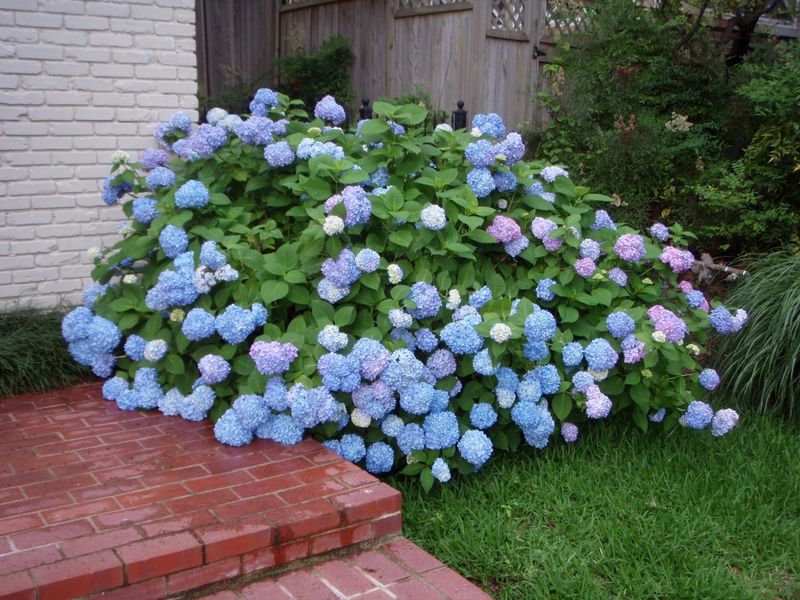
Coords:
pixel 93 498
pixel 397 570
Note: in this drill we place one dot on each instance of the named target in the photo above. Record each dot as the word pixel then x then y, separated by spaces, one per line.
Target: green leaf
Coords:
pixel 273 290
pixel 562 406
pixel 345 316
pixel 426 479
pixel 403 237
pixel 173 363
pixel 373 130
pixel 295 276
pixel 354 176
pixel 568 314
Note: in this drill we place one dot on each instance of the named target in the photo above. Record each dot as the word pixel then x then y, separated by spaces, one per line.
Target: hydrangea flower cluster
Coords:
pixel 340 285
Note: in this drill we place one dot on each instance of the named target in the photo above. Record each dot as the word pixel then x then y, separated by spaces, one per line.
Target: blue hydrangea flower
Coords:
pixel 375 399
pixel 392 425
pixel 311 407
pixel 275 394
pixel 155 350
pixel 507 378
pixel 367 260
pixel 416 397
pixel 512 149
pixel 412 438
pixel 279 154
pixel 211 257
pixel 480 153
pixel 440 471
pixel 372 356
pixel 113 192
pixel 589 249
pixel 441 430
pixel 235 324
pixel 505 181
pixel 144 209
pixel 427 299
pixel 433 217
pixel 331 338
pixel 152 158
pixel 479 298
pixel 426 340
pixel 709 379
pixel 540 326
pixel 618 276
pixel 482 415
pixel 160 177
pixel 461 338
pixel 491 125
pixel 543 291
pixel 399 318
pixel 481 182
pixel 380 458
pixel 328 110
pixel 93 293
pixel 256 131
pixel 281 429
pixel 352 447
pixel 572 354
pixel 339 373
pixel 251 410
pixel 535 351
pixel 659 231
pixel 620 324
pixel 134 347
pixel 724 323
pixel 192 194
pixel 538 432
pixel 229 430
pixel 698 415
pixel 529 390
pixel 657 416
pixel 173 240
pixel 603 221
pixel 548 378
pixel 263 100
pixel 112 388
pixel 482 363
pixel 198 325
pixel 475 447
pixel 379 177
pixel 330 292
pixel 582 381
pixel 441 363
pixel 599 355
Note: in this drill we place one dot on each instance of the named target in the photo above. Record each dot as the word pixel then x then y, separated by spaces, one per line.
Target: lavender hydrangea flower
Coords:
pixel 618 276
pixel 598 405
pixel 585 267
pixel 504 229
pixel 603 221
pixel 569 431
pixel 279 154
pixel 723 421
pixel 272 358
pixel 630 247
pixel 709 379
pixel 589 249
pixel 328 110
pixel 512 149
pixel 213 368
pixel 657 416
pixel 427 300
pixel 152 158
pixel 659 231
pixel 677 259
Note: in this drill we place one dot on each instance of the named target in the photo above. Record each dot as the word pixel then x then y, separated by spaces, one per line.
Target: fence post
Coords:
pixel 459 118
pixel 365 112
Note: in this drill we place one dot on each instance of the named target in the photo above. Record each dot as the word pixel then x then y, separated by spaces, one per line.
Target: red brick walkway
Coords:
pixel 93 498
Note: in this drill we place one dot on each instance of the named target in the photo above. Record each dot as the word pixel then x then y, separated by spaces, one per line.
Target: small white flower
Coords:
pixel 500 157
pixel 433 217
pixel 647 281
pixel 659 336
pixel 94 253
pixel 177 315
pixel 395 274
pixel 360 418
pixel 120 156
pixel 130 278
pixel 443 127
pixel 203 280
pixel 453 300
pixel 505 397
pixel 598 375
pixel 693 348
pixel 502 204
pixel 647 373
pixel 333 225
pixel 500 333
pixel 475 132
pixel 124 228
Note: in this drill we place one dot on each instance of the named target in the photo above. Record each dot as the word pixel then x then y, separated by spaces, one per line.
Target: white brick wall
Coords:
pixel 78 80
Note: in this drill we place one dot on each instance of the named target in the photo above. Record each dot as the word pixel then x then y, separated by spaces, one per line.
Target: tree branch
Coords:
pixel 687 37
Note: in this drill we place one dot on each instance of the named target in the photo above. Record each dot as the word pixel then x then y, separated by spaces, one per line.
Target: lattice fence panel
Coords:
pixel 508 15
pixel 564 17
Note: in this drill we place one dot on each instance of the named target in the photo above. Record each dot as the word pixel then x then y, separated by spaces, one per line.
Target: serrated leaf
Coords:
pixel 273 290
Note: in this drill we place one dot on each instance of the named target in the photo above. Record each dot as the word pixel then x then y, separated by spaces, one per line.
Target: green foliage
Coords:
pixel 236 95
pixel 308 76
pixel 421 97
pixel 33 356
pixel 761 369
pixel 621 515
pixel 671 130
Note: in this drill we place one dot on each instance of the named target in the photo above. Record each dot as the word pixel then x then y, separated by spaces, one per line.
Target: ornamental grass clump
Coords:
pixel 416 301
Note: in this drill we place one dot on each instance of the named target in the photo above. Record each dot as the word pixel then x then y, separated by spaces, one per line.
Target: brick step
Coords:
pixel 394 569
pixel 94 499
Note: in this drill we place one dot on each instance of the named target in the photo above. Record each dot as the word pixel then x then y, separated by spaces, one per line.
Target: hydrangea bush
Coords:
pixel 415 301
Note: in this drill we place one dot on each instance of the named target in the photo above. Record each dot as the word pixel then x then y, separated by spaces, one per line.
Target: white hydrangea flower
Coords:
pixel 226 273
pixel 647 373
pixel 203 280
pixel 502 204
pixel 333 225
pixel 433 217
pixel 94 253
pixel 360 418
pixel 598 375
pixel 453 300
pixel 500 333
pixel 443 127
pixel 693 348
pixel 120 156
pixel 177 315
pixel 130 278
pixel 395 274
pixel 475 132
pixel 659 336
pixel 155 350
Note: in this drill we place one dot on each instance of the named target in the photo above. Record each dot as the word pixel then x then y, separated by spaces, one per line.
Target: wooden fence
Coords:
pixel 489 53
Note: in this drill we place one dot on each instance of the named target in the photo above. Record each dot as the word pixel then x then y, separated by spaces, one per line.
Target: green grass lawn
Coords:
pixel 623 514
